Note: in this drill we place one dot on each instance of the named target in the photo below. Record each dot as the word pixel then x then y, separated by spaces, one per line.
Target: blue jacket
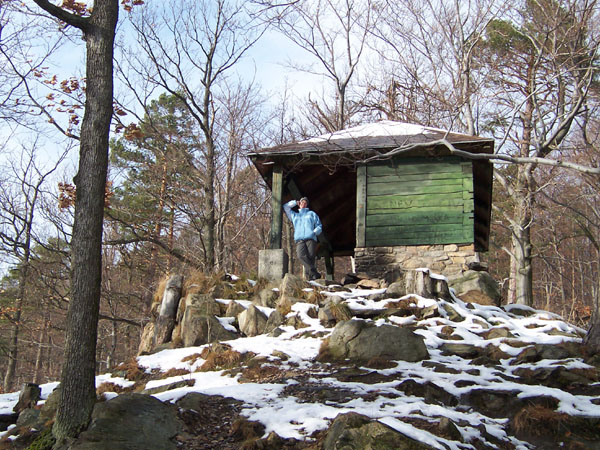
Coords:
pixel 307 224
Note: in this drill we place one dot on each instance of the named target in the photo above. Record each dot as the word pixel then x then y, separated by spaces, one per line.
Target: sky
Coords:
pixel 292 417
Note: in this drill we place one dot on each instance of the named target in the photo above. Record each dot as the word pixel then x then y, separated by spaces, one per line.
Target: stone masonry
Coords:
pixel 448 260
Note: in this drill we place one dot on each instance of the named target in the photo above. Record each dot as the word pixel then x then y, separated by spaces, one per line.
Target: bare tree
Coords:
pixel 187 50
pixel 335 34
pixel 430 51
pixel 544 63
pixel 17 216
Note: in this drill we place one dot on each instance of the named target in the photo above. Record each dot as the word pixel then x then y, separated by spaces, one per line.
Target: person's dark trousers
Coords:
pixel 306 251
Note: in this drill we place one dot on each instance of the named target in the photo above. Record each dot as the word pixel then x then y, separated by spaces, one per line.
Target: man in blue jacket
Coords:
pixel 307 226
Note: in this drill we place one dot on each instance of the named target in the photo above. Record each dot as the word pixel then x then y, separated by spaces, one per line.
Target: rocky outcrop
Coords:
pixel 130 422
pixel 352 431
pixel 168 310
pixel 198 328
pixel 252 321
pixel 476 287
pixel 359 340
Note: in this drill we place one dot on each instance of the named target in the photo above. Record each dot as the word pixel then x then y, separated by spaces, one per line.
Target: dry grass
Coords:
pixel 110 387
pixel 222 357
pixel 174 373
pixel 541 421
pixel 133 372
pixel 200 282
pixel 243 429
pixel 378 362
pixel 324 352
pixel 192 358
pixel 261 374
pixel 314 297
pixel 340 312
pixel 160 289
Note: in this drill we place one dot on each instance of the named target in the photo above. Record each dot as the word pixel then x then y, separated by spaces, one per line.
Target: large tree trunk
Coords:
pixel 78 394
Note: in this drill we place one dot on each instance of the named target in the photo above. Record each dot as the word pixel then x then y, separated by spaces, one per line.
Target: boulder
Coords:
pixel 275 320
pixel 28 397
pixel 147 340
pixel 163 330
pixel 171 296
pixel 360 340
pixel 29 418
pixel 333 313
pixel 203 303
pixel 266 297
pixel 292 285
pixel 396 290
pixel 234 309
pixel 130 422
pixel 48 410
pixel 477 287
pixel 198 328
pixel 353 431
pixel 252 321
pixel 368 284
pixel 431 392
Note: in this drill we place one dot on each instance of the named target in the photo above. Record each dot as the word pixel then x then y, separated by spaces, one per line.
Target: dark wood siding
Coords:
pixel 419 201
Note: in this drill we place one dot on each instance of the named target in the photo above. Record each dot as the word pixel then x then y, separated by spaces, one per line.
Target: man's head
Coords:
pixel 303 202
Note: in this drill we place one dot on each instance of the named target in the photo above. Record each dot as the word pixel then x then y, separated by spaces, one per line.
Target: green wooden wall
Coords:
pixel 415 201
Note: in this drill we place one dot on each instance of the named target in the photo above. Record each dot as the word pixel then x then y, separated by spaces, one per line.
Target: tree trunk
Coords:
pixel 521 250
pixel 42 339
pixel 524 272
pixel 78 394
pixel 16 323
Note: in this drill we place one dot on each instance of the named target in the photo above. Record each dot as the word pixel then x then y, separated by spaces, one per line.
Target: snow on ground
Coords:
pixel 292 417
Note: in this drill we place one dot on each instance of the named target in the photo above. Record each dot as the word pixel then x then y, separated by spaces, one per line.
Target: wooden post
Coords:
pixel 276 196
pixel 361 205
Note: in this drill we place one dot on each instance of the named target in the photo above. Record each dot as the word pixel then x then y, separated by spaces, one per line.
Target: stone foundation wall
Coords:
pixel 448 260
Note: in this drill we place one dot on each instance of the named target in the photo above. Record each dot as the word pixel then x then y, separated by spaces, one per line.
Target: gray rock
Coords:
pixel 234 309
pixel 28 397
pixel 130 422
pixel 198 328
pixel 252 321
pixel 477 287
pixel 463 350
pixel 333 313
pixel 353 431
pixel 29 418
pixel 171 296
pixel 360 340
pixel 396 290
pixel 275 320
pixel 166 387
pixel 203 303
pixel 292 286
pixel 147 340
pixel 266 297
pixel 163 329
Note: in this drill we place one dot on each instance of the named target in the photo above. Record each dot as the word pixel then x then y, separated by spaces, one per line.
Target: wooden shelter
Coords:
pixel 385 184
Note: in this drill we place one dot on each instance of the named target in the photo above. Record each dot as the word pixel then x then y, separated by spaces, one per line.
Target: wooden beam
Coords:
pixel 361 205
pixel 276 196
